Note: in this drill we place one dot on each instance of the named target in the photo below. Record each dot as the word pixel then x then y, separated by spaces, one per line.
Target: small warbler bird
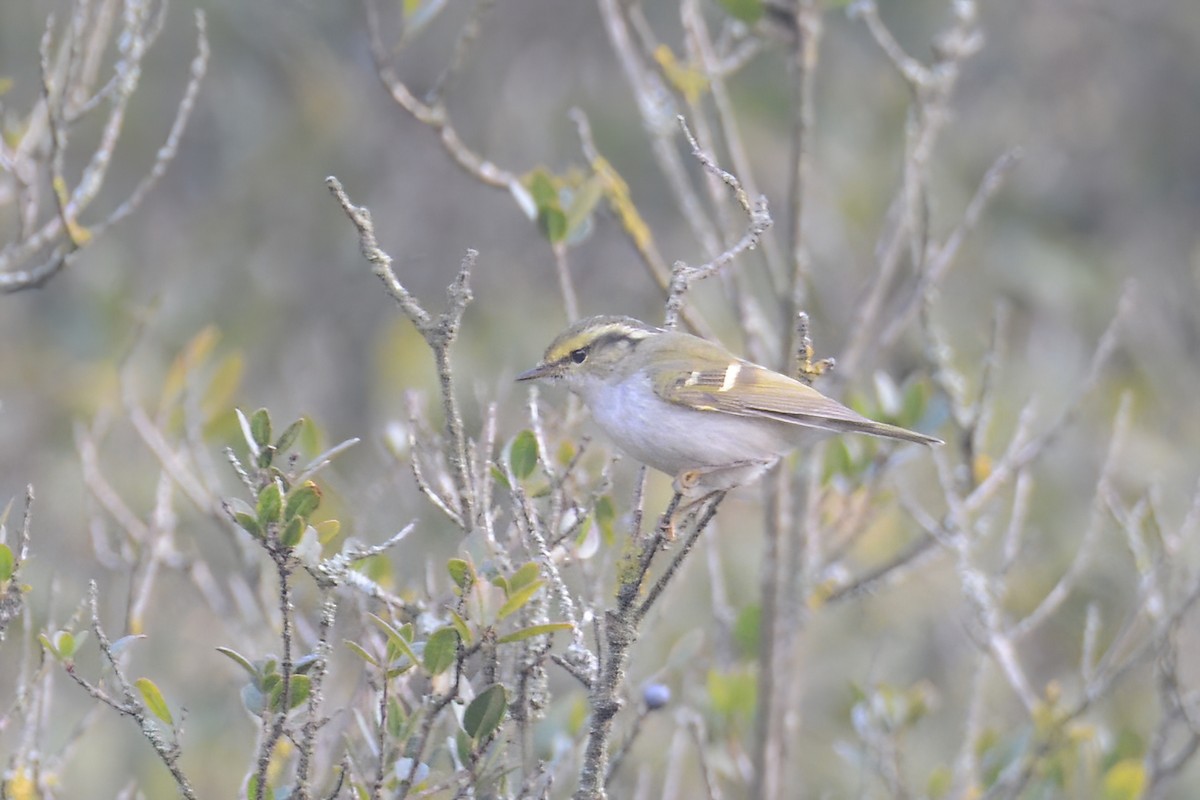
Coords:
pixel 688 407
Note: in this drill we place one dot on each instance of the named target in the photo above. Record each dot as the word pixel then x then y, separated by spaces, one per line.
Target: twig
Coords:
pixel 439 333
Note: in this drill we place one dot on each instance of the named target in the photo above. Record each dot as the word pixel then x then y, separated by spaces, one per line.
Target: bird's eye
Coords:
pixel 579 356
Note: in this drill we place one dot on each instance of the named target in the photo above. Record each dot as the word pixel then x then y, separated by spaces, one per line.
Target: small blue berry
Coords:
pixel 656 695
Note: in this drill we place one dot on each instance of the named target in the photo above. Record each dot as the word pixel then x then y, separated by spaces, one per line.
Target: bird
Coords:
pixel 688 407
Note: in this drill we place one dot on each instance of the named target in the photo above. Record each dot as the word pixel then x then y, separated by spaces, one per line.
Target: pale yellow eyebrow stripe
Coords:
pixel 731 374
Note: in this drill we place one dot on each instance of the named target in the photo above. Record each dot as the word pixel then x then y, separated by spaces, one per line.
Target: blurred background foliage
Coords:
pixel 242 239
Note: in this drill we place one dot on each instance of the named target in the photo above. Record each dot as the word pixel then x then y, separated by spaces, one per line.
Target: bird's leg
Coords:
pixel 808 370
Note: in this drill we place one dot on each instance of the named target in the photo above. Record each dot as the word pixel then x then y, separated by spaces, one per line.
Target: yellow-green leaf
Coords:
pixel 226 378
pixel 690 82
pixel 1125 780
pixel 194 353
pixel 253 792
pixel 583 203
pixel 460 625
pixel 362 653
pixel 534 630
pixel 64 644
pixel 153 699
pixel 327 530
pixel 518 598
pixel 460 572
pixel 748 11
pixel 8 562
pixel 526 574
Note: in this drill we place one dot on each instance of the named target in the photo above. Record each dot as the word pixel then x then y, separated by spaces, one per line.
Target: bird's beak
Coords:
pixel 540 371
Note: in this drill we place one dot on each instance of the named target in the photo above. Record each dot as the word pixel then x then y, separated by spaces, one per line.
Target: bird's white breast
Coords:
pixel 673 438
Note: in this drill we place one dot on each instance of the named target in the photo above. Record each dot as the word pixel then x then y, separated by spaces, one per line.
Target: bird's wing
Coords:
pixel 751 390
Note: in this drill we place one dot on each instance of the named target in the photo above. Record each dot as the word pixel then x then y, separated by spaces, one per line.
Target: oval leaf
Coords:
pixel 460 572
pixel 302 501
pixel 441 650
pixel 486 711
pixel 249 523
pixel 153 699
pixel 301 688
pixel 64 644
pixel 270 505
pixel 260 428
pixel 523 454
pixel 292 532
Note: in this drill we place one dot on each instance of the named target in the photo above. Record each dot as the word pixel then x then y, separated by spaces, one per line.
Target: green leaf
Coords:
pixel 270 505
pixel 499 477
pixel 153 699
pixel 441 650
pixel 64 644
pixel 249 523
pixel 748 11
pixel 395 638
pixel 525 575
pixel 541 187
pixel 8 563
pixel 939 783
pixel 302 501
pixel 746 630
pixel 1126 780
pixel 292 531
pixel 327 530
pixel 301 688
pixel 583 202
pixel 518 599
pixel 240 660
pixel 916 398
pixel 460 625
pixel 362 653
pixel 534 630
pixel 606 517
pixel 486 711
pixel 523 454
pixel 289 436
pixel 225 379
pixel 49 646
pixel 260 428
pixel 460 572
pixel 552 221
pixel 553 224
pixel 732 694
pixel 253 792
